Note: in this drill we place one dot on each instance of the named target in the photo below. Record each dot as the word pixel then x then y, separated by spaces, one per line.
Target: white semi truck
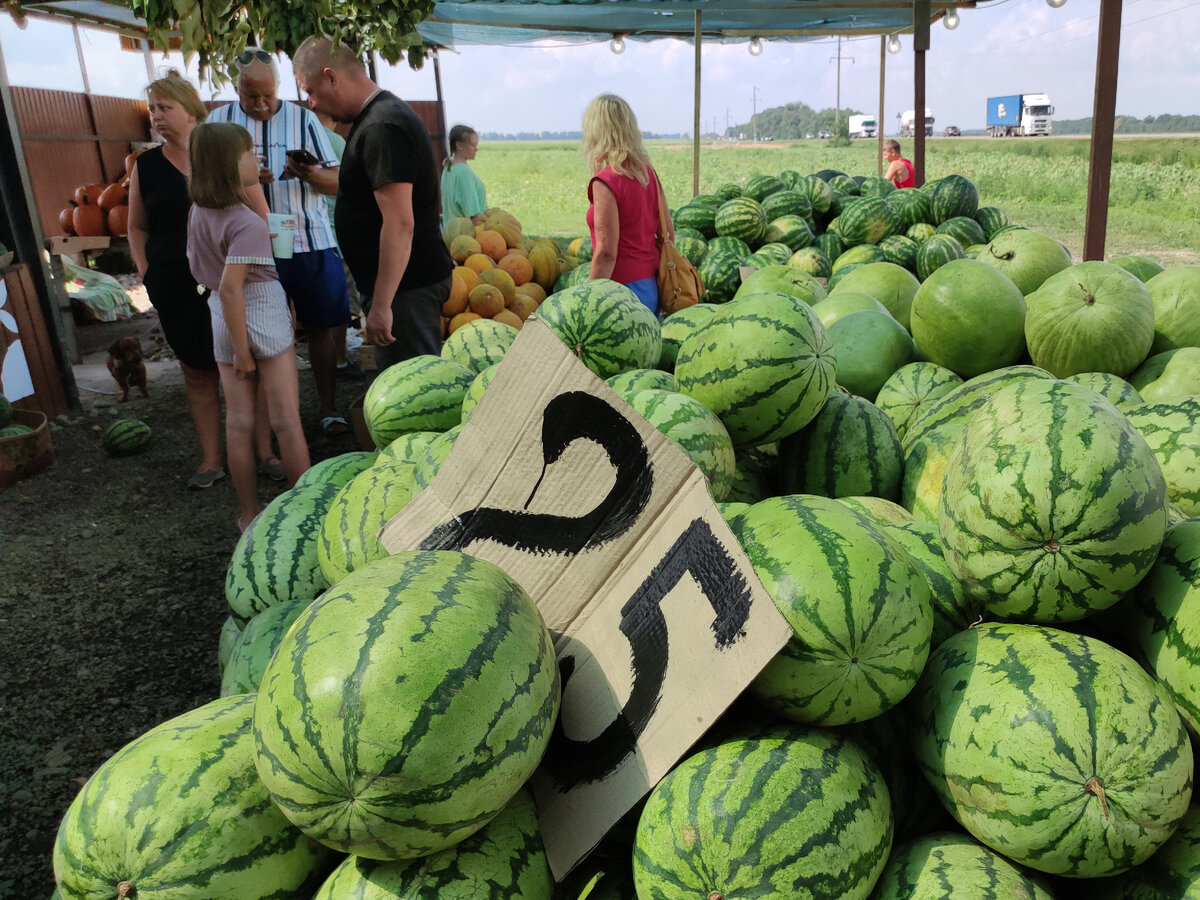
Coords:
pixel 862 126
pixel 908 120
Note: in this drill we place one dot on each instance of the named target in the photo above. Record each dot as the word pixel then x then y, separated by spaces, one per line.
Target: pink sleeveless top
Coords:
pixel 637 218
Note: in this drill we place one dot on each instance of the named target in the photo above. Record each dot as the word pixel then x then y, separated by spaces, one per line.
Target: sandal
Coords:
pixel 205 479
pixel 272 468
pixel 334 425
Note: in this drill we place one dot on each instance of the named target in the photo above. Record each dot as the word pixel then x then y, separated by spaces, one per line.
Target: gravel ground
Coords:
pixel 112 596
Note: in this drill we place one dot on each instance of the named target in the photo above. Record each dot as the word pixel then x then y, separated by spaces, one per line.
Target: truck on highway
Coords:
pixel 862 126
pixel 1019 115
pixel 908 120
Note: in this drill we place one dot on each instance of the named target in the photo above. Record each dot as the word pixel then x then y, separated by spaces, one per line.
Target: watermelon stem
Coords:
pixel 1095 787
pixel 716 895
pixel 125 889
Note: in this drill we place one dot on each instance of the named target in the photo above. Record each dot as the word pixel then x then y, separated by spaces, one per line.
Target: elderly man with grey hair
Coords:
pixel 313 277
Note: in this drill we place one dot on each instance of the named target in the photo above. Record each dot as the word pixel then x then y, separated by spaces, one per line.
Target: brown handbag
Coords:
pixel 679 284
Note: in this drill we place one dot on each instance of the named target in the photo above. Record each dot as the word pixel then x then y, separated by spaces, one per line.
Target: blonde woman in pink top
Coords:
pixel 229 249
pixel 624 189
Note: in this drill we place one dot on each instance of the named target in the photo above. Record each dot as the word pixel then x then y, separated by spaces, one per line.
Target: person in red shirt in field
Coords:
pixel 900 170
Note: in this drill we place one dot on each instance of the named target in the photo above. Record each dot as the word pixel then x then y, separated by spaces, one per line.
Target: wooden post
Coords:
pixel 87 99
pixel 441 102
pixel 879 121
pixel 1104 111
pixel 920 45
pixel 696 110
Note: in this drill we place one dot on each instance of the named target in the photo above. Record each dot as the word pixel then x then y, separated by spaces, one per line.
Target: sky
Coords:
pixel 1002 47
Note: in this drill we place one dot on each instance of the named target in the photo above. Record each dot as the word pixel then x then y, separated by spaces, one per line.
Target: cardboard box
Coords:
pixel 659 620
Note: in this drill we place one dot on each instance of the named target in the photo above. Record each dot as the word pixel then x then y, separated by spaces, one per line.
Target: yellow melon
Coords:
pixel 469 276
pixel 523 306
pixel 500 280
pixel 457 226
pixel 457 301
pixel 533 290
pixel 460 320
pixel 518 267
pixel 486 300
pixel 462 247
pixel 492 243
pixel 509 318
pixel 480 262
pixel 544 264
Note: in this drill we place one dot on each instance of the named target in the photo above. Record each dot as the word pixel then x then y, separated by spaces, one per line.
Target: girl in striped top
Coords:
pixel 229 249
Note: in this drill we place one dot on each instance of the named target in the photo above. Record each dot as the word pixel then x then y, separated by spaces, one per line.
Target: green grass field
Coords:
pixel 1154 204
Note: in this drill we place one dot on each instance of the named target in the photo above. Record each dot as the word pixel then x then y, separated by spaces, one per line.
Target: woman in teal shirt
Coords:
pixel 463 194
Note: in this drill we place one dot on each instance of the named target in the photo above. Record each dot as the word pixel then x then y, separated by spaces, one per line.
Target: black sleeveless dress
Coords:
pixel 182 309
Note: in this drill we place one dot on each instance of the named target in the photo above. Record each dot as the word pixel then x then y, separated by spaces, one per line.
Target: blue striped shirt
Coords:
pixel 291 128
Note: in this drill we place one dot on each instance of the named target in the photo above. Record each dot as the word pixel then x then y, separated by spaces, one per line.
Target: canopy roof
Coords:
pixel 519 21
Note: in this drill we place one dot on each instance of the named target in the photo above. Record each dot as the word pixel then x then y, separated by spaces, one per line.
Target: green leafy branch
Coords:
pixel 218 30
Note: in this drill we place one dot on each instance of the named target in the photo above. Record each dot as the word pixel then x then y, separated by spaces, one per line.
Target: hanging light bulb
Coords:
pixel 617 45
pixel 1055 4
pixel 951 20
pixel 755 47
pixel 894 44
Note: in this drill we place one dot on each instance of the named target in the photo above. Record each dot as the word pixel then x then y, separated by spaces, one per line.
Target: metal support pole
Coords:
pixel 1104 111
pixel 920 45
pixel 696 110
pixel 879 120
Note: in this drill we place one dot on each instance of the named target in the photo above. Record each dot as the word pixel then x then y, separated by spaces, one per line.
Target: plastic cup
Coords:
pixel 283 227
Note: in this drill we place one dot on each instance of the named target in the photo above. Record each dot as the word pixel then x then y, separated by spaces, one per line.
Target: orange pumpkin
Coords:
pixel 66 220
pixel 89 194
pixel 118 220
pixel 112 195
pixel 90 221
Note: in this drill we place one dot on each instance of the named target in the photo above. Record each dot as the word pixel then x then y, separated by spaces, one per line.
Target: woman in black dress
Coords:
pixel 158 214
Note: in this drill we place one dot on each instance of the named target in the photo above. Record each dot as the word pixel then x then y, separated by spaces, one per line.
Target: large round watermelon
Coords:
pixel 677 326
pixel 177 813
pixel 1052 748
pixel 1053 505
pixel 605 325
pixel 794 813
pixel 125 437
pixel 479 343
pixel 949 866
pixel 763 364
pixel 407 705
pixel 626 384
pixel 349 533
pixel 953 610
pixel 424 393
pixel 1175 293
pixel 909 390
pixel 1172 430
pixel 255 645
pixel 858 607
pixel 693 428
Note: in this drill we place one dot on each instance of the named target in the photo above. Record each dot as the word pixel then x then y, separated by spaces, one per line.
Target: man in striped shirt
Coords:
pixel 313 277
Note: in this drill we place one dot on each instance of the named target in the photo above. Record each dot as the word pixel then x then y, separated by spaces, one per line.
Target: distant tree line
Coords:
pixel 1167 124
pixel 792 121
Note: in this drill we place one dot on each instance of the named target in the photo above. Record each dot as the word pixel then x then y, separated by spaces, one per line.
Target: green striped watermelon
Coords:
pixel 953 610
pixel 751 482
pixel 125 437
pixel 843 183
pixel 699 216
pixel 1164 618
pixel 337 470
pixel 681 232
pixel 857 256
pixel 1053 505
pixel 774 250
pixel 991 219
pixel 932 435
pixel 759 187
pixel 409 446
pixel 811 261
pixel 1172 430
pixel 626 384
pixel 476 391
pixel 1172 873
pixel 693 428
pixel 787 202
pixel 605 325
pixel 275 559
pixel 911 206
pixel 909 389
pixel 783 279
pixel 424 393
pixel 712 200
pixel 231 631
pixel 504 860
pixel 349 534
pixel 1141 266
pixel 1052 748
pixel 876 186
pixel 849 449
pixel 878 510
pixel 867 221
pixel 945 865
pixel 727 243
pixel 720 274
pixel 858 606
pixel 920 232
pixel 935 251
pixel 830 245
pixel 818 191
pixel 795 813
pixel 741 217
pixel 1170 375
pixel 256 645
pixel 677 326
pixel 1175 294
pixel 900 250
pixel 178 814
pixel 763 364
pixel 963 229
pixel 479 343
pixel 952 196
pixel 427 464
pixel 1116 390
pixel 445 693
pixel 790 178
pixel 728 191
pixel 692 248
pixel 17 430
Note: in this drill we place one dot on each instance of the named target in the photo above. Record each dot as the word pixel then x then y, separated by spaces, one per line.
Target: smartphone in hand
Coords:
pixel 303 157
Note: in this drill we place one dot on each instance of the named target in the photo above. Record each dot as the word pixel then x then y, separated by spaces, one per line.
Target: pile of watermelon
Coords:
pixel 970 484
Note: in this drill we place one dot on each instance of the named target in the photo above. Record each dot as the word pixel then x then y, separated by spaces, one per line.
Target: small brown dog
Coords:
pixel 125 363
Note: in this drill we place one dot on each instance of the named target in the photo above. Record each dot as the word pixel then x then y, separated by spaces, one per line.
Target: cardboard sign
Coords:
pixel 658 617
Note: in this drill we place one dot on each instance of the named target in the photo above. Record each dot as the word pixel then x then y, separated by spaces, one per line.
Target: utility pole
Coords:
pixel 837 109
pixel 754 112
pixel 727 116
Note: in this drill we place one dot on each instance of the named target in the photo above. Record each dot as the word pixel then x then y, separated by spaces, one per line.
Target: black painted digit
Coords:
pixel 568 417
pixel 696 551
